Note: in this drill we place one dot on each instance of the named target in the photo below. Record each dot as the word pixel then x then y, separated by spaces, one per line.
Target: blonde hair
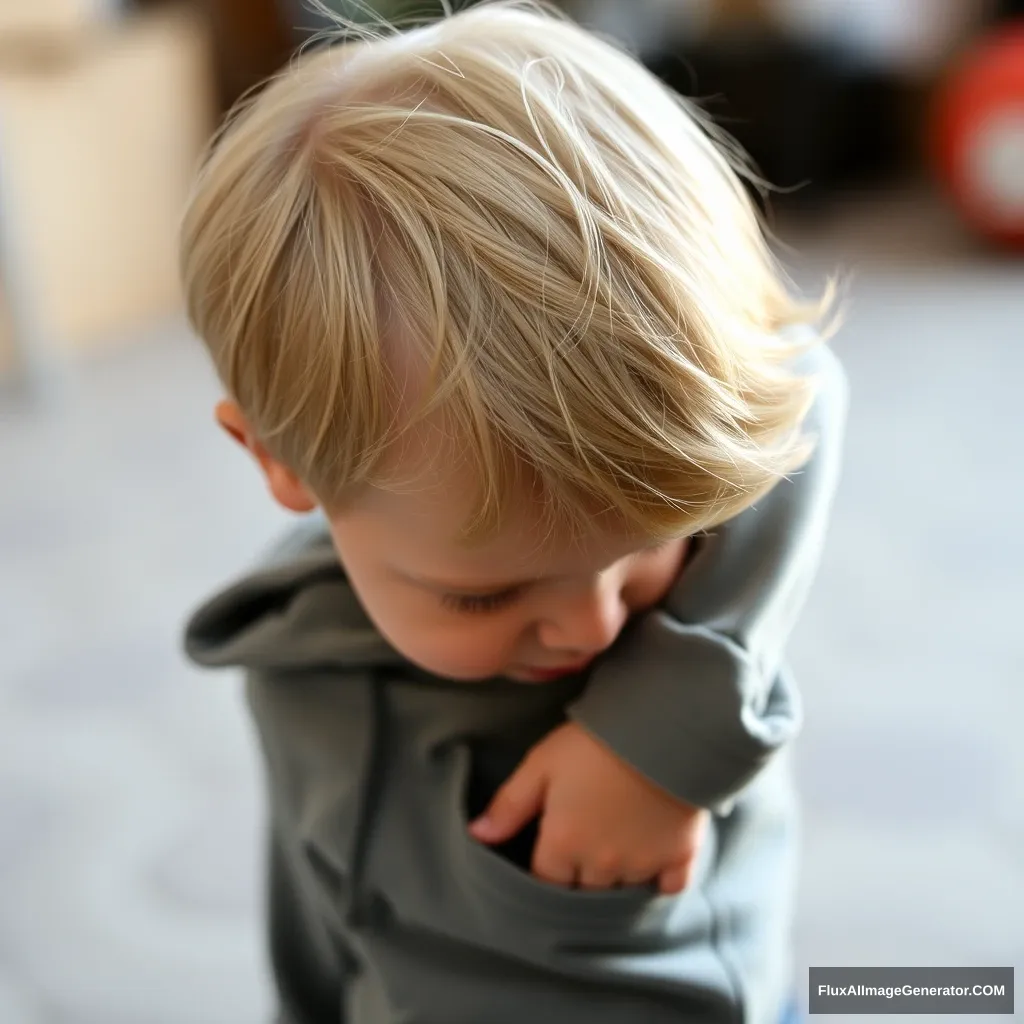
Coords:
pixel 560 238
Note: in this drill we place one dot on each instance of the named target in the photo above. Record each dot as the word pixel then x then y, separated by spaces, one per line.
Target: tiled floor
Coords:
pixel 129 810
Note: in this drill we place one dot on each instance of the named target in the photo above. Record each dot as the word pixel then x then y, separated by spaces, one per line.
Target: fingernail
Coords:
pixel 482 828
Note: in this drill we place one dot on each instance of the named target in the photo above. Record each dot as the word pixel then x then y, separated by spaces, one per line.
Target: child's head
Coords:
pixel 492 272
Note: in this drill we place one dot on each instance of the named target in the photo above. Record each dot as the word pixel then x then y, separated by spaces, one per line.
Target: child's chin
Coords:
pixel 469 677
pixel 519 676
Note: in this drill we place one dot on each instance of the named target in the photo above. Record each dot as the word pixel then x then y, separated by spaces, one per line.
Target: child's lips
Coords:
pixel 557 673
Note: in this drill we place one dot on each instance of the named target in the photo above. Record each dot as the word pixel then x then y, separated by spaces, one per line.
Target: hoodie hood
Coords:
pixel 296 611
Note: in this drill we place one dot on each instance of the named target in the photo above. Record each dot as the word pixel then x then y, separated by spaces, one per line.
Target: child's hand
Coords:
pixel 602 823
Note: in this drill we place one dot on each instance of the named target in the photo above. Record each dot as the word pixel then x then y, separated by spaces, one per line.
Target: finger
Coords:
pixel 555 854
pixel 674 880
pixel 644 874
pixel 518 802
pixel 598 875
pixel 553 867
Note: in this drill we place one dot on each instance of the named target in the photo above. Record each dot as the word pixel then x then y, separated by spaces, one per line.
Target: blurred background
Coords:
pixel 130 808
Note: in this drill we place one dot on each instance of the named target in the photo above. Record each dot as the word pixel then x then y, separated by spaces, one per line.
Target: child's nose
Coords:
pixel 586 621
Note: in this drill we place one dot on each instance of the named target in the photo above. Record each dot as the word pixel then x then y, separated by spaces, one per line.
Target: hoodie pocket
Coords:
pixel 509 897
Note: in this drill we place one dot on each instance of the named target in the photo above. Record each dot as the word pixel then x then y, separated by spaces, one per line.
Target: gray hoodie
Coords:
pixel 382 908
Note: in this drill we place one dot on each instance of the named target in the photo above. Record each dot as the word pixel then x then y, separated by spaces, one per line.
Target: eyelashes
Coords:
pixel 471 604
pixel 481 604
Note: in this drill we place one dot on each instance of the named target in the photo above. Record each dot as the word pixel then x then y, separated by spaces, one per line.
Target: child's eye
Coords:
pixel 479 602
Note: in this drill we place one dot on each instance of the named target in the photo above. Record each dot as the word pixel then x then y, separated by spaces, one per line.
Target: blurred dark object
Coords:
pixel 254 38
pixel 812 113
pixel 811 117
pixel 826 98
pixel 251 41
pixel 978 135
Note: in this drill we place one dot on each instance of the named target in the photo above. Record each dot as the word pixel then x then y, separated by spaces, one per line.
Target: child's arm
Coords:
pixel 692 701
pixel 696 698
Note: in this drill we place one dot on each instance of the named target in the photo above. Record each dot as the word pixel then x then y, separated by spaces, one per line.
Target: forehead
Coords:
pixel 413 519
pixel 414 529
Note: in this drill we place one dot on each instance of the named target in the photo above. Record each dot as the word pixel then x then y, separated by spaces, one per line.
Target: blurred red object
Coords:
pixel 979 135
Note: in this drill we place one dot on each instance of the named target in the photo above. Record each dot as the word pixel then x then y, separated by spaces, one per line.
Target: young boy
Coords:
pixel 491 303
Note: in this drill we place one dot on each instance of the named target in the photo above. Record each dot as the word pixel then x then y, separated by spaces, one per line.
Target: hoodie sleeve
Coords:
pixel 695 695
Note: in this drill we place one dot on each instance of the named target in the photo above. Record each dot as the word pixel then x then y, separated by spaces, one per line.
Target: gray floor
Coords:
pixel 129 810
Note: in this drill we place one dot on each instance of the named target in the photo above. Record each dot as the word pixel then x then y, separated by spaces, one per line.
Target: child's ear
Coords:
pixel 288 490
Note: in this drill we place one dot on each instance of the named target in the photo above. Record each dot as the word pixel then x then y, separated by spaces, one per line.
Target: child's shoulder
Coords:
pixel 819 358
pixel 828 414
